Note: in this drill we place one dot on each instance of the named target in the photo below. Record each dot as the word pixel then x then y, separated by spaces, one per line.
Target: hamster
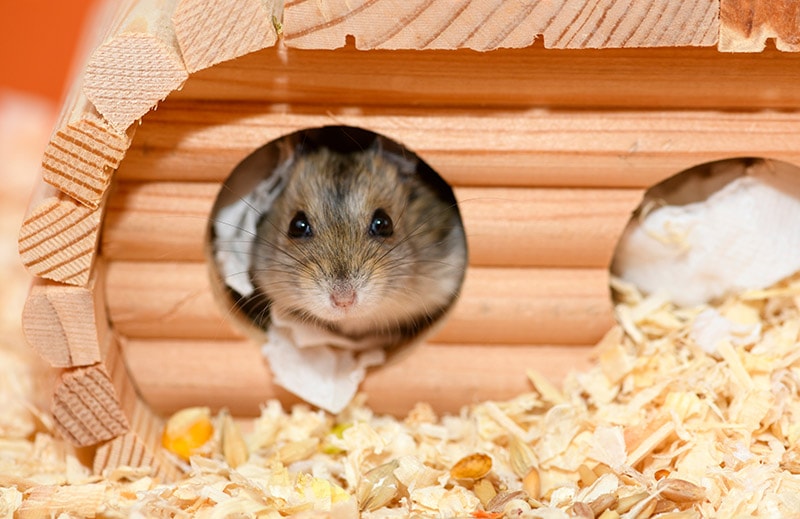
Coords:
pixel 359 245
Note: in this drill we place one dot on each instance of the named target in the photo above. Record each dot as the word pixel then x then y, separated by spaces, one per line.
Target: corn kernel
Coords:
pixel 187 430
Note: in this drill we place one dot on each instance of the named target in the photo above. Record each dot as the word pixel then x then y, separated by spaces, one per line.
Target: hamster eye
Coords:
pixel 299 226
pixel 381 224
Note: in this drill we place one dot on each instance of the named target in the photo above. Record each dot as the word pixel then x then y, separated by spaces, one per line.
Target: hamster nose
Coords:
pixel 343 296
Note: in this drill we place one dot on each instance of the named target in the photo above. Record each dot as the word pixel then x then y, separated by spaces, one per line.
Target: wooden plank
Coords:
pixel 211 32
pixel 188 141
pixel 167 221
pixel 490 24
pixel 137 65
pixel 165 299
pixel 176 374
pixel 640 79
pixel 58 238
pixel 158 221
pixel 530 306
pixel 66 325
pixel 544 227
pixel 746 25
pixel 502 306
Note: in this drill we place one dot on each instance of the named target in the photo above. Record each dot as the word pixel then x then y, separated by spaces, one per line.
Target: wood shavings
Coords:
pixel 660 426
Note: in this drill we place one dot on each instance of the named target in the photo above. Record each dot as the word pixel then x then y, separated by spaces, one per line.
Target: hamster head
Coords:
pixel 359 244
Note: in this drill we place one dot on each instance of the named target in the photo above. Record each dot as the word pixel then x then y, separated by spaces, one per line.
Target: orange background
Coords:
pixel 38 39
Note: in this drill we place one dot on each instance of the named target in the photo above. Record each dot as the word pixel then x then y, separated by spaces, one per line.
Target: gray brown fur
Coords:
pixel 403 282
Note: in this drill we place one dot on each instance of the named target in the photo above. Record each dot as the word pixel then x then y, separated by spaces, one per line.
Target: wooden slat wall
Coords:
pixel 523 227
pixel 172 374
pixel 672 78
pixel 545 195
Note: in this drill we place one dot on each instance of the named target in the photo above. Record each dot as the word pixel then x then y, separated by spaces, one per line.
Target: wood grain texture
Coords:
pixel 746 25
pixel 84 149
pixel 137 65
pixel 173 374
pixel 652 79
pixel 82 155
pixel 176 374
pixel 498 306
pixel 129 450
pixel 140 446
pixel 58 238
pixel 85 407
pixel 66 325
pixel 124 450
pixel 490 24
pixel 158 221
pixel 165 300
pixel 192 141
pixel 211 32
pixel 167 221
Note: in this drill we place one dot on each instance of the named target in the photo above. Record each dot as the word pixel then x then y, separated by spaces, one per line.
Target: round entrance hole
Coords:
pixel 713 230
pixel 340 248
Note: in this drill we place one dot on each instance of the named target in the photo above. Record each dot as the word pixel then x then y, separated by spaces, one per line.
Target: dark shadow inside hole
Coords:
pixel 385 252
pixel 713 230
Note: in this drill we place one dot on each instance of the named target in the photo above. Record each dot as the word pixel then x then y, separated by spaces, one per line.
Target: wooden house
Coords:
pixel 548 119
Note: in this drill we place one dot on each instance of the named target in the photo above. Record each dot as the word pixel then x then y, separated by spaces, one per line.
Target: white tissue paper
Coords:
pixel 319 367
pixel 744 236
pixel 710 328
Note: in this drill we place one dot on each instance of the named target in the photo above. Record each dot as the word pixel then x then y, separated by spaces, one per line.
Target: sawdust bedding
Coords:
pixel 685 413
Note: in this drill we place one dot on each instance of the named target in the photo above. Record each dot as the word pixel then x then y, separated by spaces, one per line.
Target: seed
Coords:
pixel 628 502
pixel 661 474
pixel 379 486
pixel 582 511
pixel 681 491
pixel 532 483
pixel 499 502
pixel 484 490
pixel 474 466
pixel 299 450
pixel 521 457
pixel 187 430
pixel 603 503
pixel 234 448
pixel 586 475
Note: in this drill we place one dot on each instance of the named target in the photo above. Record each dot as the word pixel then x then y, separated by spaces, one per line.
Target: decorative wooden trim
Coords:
pixel 137 66
pixel 85 407
pixel 487 25
pixel 67 325
pixel 82 154
pixel 58 238
pixel 211 32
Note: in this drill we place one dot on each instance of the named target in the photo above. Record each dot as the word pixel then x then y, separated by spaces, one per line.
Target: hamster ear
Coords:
pixel 404 161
